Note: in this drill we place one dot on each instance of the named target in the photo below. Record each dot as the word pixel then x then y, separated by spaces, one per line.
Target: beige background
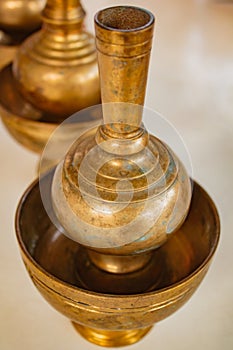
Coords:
pixel 191 84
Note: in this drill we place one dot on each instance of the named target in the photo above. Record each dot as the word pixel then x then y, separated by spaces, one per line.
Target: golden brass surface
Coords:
pixel 54 263
pixel 18 19
pixel 111 338
pixel 119 264
pixel 7 53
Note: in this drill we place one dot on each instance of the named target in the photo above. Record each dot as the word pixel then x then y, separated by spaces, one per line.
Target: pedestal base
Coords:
pixel 111 338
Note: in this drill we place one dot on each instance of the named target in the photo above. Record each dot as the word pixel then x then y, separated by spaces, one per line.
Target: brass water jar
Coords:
pixel 83 252
pixel 53 75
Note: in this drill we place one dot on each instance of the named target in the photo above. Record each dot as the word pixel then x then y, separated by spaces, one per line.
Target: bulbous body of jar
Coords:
pixel 119 205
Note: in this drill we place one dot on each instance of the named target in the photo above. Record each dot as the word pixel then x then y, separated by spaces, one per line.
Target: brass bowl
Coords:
pixel 57 265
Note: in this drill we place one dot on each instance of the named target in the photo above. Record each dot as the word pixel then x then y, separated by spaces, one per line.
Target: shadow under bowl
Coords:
pixel 55 263
pixel 11 37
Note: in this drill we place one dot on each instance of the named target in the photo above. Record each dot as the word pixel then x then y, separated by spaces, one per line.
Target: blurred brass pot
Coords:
pixel 56 68
pixel 53 75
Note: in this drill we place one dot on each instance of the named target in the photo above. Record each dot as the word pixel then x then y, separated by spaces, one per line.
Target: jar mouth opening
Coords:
pixel 124 18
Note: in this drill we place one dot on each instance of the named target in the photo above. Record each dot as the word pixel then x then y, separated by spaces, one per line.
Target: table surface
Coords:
pixel 191 84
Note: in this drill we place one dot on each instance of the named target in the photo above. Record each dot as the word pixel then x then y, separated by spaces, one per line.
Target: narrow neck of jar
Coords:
pixel 63 13
pixel 123 41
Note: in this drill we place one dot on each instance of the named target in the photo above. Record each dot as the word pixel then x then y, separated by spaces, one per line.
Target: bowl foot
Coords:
pixel 111 338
